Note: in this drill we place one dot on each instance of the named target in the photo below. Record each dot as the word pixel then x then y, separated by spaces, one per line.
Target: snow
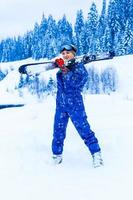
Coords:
pixel 26 170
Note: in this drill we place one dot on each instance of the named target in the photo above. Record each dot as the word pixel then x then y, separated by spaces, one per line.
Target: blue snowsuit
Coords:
pixel 69 104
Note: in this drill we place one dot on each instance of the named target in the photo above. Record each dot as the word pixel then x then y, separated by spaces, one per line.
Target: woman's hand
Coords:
pixel 59 62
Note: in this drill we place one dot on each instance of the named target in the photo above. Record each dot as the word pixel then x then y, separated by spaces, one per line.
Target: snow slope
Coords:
pixel 26 171
pixel 122 65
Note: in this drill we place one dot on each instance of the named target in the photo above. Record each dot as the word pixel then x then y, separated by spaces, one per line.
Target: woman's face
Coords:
pixel 67 55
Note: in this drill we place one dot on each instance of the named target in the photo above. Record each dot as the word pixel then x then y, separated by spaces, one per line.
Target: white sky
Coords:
pixel 18 16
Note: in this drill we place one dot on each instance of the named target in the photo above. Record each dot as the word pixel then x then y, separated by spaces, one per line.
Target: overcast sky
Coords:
pixel 18 16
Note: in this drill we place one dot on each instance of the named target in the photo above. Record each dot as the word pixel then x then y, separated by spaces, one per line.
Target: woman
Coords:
pixel 69 104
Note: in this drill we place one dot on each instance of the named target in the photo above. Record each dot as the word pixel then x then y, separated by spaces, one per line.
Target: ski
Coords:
pixel 48 65
pixel 92 58
pixel 27 68
pixel 10 105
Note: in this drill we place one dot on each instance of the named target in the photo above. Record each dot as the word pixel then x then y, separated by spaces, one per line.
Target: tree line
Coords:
pixel 111 30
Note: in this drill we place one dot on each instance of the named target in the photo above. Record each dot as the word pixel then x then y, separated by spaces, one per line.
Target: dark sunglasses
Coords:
pixel 68 48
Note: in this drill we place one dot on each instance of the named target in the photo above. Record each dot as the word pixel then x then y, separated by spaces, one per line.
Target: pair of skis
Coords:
pixel 32 68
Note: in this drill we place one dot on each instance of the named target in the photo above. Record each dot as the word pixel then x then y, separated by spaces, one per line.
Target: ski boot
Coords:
pixel 57 159
pixel 97 159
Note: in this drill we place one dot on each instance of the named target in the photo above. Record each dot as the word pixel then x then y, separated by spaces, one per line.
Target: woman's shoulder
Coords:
pixel 79 66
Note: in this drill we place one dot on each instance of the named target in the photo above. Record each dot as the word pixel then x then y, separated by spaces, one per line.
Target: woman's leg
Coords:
pixel 59 134
pixel 79 119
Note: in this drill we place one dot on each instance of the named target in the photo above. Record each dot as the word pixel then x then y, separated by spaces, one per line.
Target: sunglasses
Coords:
pixel 68 48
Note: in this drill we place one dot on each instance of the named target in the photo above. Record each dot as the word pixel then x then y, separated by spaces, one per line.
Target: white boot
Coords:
pixel 57 159
pixel 97 159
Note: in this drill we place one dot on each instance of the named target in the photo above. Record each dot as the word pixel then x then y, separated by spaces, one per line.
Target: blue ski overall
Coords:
pixel 69 104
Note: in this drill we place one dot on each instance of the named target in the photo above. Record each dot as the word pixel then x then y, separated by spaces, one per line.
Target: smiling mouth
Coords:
pixel 66 59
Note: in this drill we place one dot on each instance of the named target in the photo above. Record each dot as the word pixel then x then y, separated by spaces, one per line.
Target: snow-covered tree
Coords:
pixel 36 43
pixel 27 44
pixel 91 29
pixel 112 25
pixel 101 31
pixel 50 38
pixel 8 50
pixel 93 82
pixel 79 29
pixel 42 32
pixel 109 80
pixel 51 86
pixel 120 20
pixel 64 32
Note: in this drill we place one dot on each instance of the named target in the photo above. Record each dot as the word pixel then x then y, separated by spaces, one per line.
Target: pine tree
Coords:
pixel 91 30
pixel 8 50
pixel 121 20
pixel 27 44
pixel 50 38
pixel 129 27
pixel 109 80
pixel 93 82
pixel 51 86
pixel 19 48
pixel 65 32
pixel 36 44
pixel 119 15
pixel 101 31
pixel 112 24
pixel 80 33
pixel 42 32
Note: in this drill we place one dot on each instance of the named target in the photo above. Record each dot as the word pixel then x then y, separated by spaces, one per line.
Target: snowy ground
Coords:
pixel 26 171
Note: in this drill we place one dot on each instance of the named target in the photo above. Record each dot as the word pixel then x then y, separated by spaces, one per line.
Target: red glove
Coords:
pixel 59 62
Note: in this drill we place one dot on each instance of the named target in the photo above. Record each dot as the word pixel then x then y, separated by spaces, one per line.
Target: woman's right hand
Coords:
pixel 59 62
